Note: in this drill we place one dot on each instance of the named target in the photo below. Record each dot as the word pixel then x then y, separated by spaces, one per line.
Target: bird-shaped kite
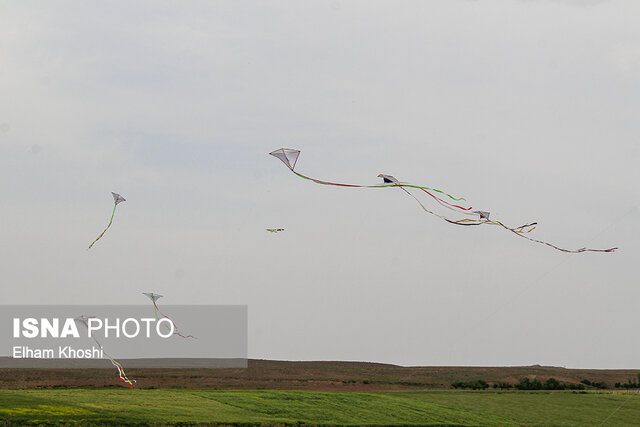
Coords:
pixel 388 179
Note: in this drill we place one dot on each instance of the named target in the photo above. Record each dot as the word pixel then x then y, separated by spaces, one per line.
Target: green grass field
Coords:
pixel 431 408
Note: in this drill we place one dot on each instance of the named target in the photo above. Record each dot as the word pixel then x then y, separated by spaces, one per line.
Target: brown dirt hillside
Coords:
pixel 301 375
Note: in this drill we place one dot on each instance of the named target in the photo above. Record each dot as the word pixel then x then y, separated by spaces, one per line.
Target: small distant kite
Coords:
pixel 155 297
pixel 275 230
pixel 84 321
pixel 117 199
pixel 290 157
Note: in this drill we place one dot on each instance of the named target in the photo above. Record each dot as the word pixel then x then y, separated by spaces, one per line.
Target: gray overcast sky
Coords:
pixel 527 108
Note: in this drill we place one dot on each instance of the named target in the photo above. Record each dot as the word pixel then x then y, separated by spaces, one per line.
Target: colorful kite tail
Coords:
pixel 118 366
pixel 123 375
pixel 105 230
pixel 571 251
pixel 425 189
pixel 446 204
pixel 175 328
pixel 447 194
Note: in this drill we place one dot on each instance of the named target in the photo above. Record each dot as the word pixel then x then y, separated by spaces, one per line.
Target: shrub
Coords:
pixel 502 384
pixel 527 384
pixel 475 385
pixel 571 386
pixel 553 384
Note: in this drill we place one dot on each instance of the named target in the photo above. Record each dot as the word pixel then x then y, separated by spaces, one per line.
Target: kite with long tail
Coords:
pixel 116 199
pixel 154 297
pixel 289 157
pixel 84 320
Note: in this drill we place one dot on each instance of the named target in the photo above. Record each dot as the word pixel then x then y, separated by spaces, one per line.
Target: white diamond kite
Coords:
pixel 288 156
pixel 118 198
pixel 153 297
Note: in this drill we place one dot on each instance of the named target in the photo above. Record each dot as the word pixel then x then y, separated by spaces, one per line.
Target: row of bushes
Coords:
pixel 550 384
pixel 524 384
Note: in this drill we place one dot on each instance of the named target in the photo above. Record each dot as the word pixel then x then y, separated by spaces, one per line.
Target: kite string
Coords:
pixel 617 409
